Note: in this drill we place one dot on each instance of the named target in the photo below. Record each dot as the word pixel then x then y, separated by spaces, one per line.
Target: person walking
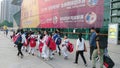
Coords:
pixel 6 31
pixel 52 46
pixel 80 49
pixel 92 42
pixel 26 43
pixel 57 40
pixel 98 52
pixel 19 42
pixel 38 39
pixel 45 49
pixel 64 47
pixel 32 43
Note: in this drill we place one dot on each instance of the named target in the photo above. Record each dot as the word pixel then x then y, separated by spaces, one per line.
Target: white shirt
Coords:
pixel 65 42
pixel 45 38
pixel 23 38
pixel 80 45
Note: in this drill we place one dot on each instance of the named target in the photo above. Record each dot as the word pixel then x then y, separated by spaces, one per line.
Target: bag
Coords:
pixel 41 46
pixel 105 64
pixel 26 43
pixel 108 63
pixel 51 44
pixel 55 36
pixel 58 40
pixel 14 38
pixel 70 47
pixel 103 42
pixel 32 42
pixel 18 40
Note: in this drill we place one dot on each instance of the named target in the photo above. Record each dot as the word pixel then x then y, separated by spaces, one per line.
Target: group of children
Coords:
pixel 46 44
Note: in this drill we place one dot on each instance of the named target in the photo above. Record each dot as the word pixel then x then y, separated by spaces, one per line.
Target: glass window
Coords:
pixel 116 5
pixel 115 0
pixel 114 19
pixel 118 12
pixel 114 12
pixel 119 20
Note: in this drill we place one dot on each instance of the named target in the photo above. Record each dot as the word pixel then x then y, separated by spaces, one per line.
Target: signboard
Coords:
pixel 113 33
pixel 62 13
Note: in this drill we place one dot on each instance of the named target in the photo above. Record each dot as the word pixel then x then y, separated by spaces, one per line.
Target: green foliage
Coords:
pixel 6 23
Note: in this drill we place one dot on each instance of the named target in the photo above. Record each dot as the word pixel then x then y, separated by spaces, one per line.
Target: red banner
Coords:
pixel 71 13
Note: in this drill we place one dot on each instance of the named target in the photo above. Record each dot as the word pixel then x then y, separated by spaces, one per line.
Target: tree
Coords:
pixel 6 23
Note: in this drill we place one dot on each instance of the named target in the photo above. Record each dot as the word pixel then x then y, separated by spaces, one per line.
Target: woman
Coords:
pixel 80 48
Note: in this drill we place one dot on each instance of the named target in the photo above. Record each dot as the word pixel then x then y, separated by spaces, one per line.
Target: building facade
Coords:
pixel 115 14
pixel 115 11
pixel 7 10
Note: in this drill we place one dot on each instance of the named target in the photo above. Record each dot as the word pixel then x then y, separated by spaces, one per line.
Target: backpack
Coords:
pixel 70 47
pixel 18 39
pixel 26 42
pixel 58 40
pixel 41 46
pixel 32 42
pixel 51 44
pixel 103 42
pixel 55 36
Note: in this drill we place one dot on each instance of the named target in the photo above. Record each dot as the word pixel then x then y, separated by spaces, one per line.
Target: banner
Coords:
pixel 62 13
pixel 71 13
pixel 30 14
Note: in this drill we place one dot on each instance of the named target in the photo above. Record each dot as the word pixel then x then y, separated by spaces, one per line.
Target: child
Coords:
pixel 26 43
pixel 45 49
pixel 40 46
pixel 52 46
pixel 64 47
pixel 32 43
pixel 38 39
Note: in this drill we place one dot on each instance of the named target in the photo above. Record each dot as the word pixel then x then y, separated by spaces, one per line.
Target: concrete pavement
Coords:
pixel 8 58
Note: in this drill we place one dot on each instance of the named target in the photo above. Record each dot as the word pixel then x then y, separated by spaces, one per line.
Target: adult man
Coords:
pixel 92 42
pixel 98 51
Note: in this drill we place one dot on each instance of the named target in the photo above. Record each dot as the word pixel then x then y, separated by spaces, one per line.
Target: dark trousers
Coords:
pixel 82 56
pixel 91 51
pixel 19 49
pixel 59 49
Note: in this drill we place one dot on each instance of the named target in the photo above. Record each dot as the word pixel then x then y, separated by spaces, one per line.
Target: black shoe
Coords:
pixel 21 56
pixel 53 54
pixel 75 63
pixel 33 54
pixel 93 67
pixel 26 50
pixel 17 55
pixel 66 58
pixel 85 65
pixel 59 53
pixel 90 58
